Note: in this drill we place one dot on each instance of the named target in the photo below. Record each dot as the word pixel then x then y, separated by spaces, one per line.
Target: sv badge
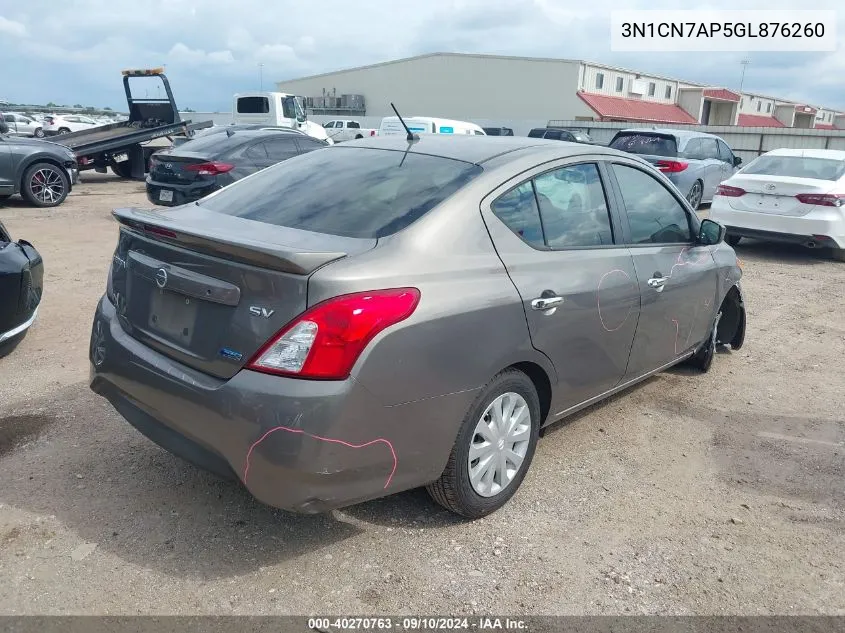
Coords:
pixel 259 311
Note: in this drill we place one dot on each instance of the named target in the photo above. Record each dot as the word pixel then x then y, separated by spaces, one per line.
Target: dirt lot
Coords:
pixel 716 493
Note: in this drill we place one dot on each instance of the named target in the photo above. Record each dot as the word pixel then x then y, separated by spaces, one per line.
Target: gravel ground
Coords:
pixel 689 494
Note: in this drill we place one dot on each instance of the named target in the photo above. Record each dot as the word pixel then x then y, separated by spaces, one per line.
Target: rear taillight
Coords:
pixel 157 230
pixel 671 166
pixel 326 340
pixel 822 199
pixel 372 132
pixel 729 192
pixel 210 169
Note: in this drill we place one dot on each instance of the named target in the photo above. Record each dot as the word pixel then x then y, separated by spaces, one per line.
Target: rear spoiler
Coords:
pixel 229 237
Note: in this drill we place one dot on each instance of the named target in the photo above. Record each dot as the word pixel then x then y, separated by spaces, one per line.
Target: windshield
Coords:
pixel 797 167
pixel 643 143
pixel 352 192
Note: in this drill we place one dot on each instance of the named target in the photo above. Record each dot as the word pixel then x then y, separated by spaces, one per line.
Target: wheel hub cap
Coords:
pixel 499 444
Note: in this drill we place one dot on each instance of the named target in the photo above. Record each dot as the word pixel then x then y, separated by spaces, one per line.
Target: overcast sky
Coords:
pixel 72 51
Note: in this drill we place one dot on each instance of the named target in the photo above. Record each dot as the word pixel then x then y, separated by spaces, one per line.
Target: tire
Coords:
pixel 837 254
pixel 45 185
pixel 39 133
pixel 455 490
pixel 122 170
pixel 7 347
pixel 696 192
pixel 733 240
pixel 702 360
pixel 64 130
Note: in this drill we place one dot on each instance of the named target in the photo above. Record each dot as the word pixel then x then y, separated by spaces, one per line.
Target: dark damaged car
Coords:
pixel 382 314
pixel 21 283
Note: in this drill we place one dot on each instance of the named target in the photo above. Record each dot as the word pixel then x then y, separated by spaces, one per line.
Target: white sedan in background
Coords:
pixel 787 195
pixel 64 123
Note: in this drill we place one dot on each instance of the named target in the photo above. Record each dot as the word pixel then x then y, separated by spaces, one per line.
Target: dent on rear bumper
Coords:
pixel 306 446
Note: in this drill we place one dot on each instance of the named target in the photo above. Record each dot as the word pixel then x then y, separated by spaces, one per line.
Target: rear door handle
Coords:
pixel 657 283
pixel 546 303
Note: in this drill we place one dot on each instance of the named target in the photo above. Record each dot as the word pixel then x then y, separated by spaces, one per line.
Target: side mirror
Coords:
pixel 737 161
pixel 711 233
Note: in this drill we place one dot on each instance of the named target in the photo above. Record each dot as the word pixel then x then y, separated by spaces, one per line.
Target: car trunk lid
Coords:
pixel 775 195
pixel 208 289
pixel 178 168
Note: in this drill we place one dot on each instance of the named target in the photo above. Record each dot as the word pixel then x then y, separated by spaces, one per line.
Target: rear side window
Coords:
pixel 536 133
pixel 309 144
pixel 797 167
pixel 709 148
pixel 518 210
pixel 371 193
pixel 253 105
pixel 573 207
pixel 281 149
pixel 648 144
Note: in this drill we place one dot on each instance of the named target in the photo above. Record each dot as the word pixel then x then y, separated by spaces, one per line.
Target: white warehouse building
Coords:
pixel 495 90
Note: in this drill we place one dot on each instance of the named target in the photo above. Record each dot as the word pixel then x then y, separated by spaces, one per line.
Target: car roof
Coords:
pixel 679 134
pixel 478 149
pixel 835 154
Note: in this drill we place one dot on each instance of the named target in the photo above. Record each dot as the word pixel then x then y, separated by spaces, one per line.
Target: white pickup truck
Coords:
pixel 347 130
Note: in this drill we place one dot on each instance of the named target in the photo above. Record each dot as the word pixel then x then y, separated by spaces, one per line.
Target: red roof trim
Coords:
pixel 617 108
pixel 723 94
pixel 757 120
pixel 825 126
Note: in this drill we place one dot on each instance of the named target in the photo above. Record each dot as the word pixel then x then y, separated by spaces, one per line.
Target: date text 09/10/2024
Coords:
pixel 408 623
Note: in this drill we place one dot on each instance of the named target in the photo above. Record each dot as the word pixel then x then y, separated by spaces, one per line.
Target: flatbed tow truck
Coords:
pixel 124 146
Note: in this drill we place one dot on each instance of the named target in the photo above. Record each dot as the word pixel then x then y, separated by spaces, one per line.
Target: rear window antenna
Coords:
pixel 411 136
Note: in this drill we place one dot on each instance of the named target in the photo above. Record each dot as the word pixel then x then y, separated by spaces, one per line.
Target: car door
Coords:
pixel 712 167
pixel 556 234
pixel 11 121
pixel 726 157
pixel 677 279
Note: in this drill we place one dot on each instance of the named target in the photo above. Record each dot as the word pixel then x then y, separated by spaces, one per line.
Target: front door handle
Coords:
pixel 546 303
pixel 657 283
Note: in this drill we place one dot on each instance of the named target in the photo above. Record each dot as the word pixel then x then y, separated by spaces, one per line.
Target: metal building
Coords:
pixel 526 92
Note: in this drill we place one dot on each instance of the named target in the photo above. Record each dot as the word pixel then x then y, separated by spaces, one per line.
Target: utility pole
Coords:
pixel 261 75
pixel 744 63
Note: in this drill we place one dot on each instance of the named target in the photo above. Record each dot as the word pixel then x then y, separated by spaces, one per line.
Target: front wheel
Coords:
pixel 493 450
pixel 702 360
pixel 45 185
pixel 64 130
pixel 733 240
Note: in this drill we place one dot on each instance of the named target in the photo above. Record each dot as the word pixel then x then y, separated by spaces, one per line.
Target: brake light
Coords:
pixel 325 341
pixel 671 166
pixel 729 192
pixel 822 199
pixel 210 169
pixel 372 132
pixel 157 230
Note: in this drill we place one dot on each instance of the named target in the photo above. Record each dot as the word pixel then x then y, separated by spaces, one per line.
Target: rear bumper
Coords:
pixel 805 230
pixel 305 446
pixel 182 194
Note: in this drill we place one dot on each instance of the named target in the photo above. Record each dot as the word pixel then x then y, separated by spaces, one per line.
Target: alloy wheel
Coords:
pixel 47 185
pixel 694 196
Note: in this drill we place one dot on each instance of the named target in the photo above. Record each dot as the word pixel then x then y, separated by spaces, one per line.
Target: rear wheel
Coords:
pixel 39 133
pixel 122 169
pixel 733 240
pixel 494 448
pixel 695 194
pixel 45 185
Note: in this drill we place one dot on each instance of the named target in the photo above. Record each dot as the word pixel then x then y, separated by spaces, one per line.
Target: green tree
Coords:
pixel 77 105
pixel 107 108
pixel 52 105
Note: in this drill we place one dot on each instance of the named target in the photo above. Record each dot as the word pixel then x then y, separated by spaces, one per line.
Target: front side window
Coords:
pixel 289 108
pixel 725 153
pixel 654 214
pixel 329 125
pixel 518 210
pixel 573 207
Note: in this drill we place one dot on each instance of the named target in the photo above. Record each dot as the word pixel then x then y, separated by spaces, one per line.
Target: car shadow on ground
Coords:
pixel 74 458
pixel 755 250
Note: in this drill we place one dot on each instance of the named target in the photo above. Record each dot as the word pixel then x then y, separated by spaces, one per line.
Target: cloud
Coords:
pixel 10 27
pixel 78 48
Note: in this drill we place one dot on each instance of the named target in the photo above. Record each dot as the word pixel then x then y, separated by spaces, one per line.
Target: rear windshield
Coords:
pixel 649 144
pixel 352 192
pixel 797 167
pixel 211 143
